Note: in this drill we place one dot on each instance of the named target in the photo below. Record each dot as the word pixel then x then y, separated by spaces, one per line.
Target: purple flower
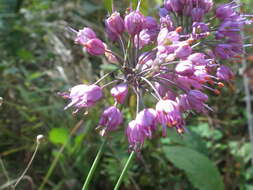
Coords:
pixel 196 100
pixel 197 14
pixel 84 96
pixel 112 36
pixel 150 23
pixel 95 47
pixel 185 68
pixel 111 118
pixel 84 35
pixel 167 38
pixel 115 23
pixel 183 103
pixel 168 113
pixel 147 120
pixel 146 36
pixel 134 22
pixel 119 93
pixel 173 5
pixel 224 73
pixel 225 11
pixel 199 27
pixel 197 59
pixel 163 12
pixel 135 134
pixel 225 51
pixel 166 22
pixel 183 51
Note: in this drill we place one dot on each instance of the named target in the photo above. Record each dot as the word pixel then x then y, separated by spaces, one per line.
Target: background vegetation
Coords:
pixel 38 59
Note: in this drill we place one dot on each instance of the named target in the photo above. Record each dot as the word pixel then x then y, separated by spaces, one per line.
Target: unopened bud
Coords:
pixel 39 138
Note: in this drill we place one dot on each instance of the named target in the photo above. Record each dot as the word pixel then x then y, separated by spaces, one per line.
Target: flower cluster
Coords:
pixel 173 58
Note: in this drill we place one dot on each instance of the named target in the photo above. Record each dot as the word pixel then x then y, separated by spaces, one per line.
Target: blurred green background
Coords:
pixel 38 59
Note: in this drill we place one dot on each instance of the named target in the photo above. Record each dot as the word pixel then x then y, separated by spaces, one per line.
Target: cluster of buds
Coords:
pixel 173 58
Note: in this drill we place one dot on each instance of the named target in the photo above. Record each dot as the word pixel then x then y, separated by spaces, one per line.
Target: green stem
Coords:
pixel 57 157
pixel 124 171
pixel 94 165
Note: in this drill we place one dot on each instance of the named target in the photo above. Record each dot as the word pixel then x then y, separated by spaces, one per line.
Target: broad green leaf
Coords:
pixel 201 172
pixel 58 135
pixel 108 5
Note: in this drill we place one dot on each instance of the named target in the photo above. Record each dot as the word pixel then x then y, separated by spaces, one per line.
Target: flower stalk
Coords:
pixel 130 158
pixel 94 165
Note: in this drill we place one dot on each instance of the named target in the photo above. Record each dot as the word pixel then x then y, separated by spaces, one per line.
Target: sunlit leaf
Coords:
pixel 58 135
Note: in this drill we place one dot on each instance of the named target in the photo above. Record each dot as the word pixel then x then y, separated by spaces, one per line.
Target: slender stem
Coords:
pixel 130 158
pixel 122 45
pixel 152 86
pixel 4 170
pixel 126 51
pixel 94 165
pixel 28 166
pixel 103 77
pixel 246 84
pixel 57 157
pixel 114 81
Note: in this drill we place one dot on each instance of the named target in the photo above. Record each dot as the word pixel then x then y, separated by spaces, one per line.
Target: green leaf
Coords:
pixel 201 172
pixel 108 5
pixel 58 135
pixel 25 55
pixel 108 67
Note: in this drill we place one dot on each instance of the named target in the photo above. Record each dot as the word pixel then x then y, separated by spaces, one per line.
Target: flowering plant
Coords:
pixel 174 59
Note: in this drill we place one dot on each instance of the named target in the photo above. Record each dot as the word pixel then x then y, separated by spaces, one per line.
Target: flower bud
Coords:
pixel 95 47
pixel 39 138
pixel 150 23
pixel 174 5
pixel 119 93
pixel 134 22
pixel 224 11
pixel 197 14
pixel 84 36
pixel 115 23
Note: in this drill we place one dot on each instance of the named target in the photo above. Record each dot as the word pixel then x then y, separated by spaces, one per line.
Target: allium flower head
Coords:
pixel 173 59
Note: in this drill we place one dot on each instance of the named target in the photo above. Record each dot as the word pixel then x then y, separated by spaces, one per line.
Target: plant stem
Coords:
pixel 56 159
pixel 94 165
pixel 130 158
pixel 28 166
